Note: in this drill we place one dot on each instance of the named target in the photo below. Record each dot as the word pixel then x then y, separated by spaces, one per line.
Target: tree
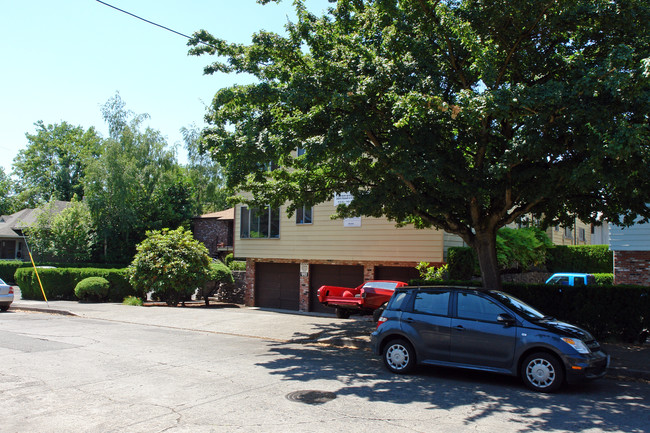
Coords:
pixel 68 236
pixel 459 114
pixel 171 263
pixel 205 175
pixel 135 185
pixel 6 193
pixel 53 164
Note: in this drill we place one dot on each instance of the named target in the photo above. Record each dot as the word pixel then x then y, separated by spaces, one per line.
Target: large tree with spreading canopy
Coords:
pixel 463 115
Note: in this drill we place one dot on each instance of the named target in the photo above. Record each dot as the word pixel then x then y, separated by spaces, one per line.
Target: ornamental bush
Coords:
pixel 92 289
pixel 171 263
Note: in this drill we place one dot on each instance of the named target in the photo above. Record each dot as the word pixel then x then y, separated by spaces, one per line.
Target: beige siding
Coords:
pixel 326 239
pixel 559 236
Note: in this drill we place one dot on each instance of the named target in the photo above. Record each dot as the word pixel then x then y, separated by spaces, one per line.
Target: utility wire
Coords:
pixel 147 21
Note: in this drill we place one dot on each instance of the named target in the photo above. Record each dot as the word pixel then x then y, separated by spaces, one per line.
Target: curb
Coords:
pixel 42 310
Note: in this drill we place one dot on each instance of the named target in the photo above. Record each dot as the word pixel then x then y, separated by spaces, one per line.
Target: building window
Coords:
pixel 557 228
pixel 300 151
pixel 582 235
pixel 260 223
pixel 304 215
pixel 567 232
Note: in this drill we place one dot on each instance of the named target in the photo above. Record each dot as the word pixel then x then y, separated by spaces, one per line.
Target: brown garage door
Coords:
pixel 396 273
pixel 277 285
pixel 331 275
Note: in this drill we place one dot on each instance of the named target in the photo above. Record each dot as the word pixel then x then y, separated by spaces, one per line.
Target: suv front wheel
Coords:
pixel 399 356
pixel 542 372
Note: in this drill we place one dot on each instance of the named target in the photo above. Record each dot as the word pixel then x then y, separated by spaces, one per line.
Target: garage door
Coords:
pixel 331 275
pixel 277 285
pixel 396 273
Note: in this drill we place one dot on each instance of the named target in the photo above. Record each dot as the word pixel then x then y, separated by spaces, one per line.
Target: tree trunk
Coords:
pixel 485 245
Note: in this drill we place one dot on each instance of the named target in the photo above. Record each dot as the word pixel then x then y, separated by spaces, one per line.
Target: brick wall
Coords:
pixel 632 267
pixel 212 232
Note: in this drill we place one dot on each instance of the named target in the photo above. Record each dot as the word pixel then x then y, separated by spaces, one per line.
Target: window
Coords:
pixel 259 223
pixel 582 235
pixel 300 151
pixel 567 232
pixel 432 303
pixel 304 215
pixel 473 307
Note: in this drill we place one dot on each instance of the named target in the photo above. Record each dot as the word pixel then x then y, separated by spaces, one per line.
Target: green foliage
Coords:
pixel 66 237
pixel 604 279
pixel 218 273
pixel 461 263
pixel 462 115
pixel 132 300
pixel 60 283
pixel 228 259
pixel 171 263
pixel 53 164
pixel 608 312
pixel 92 289
pixel 431 273
pixel 7 200
pixel 522 248
pixel 135 185
pixel 8 269
pixel 237 265
pixel 580 258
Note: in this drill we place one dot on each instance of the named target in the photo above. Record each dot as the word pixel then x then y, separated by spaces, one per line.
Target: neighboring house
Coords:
pixel 12 242
pixel 215 230
pixel 631 246
pixel 288 259
pixel 578 234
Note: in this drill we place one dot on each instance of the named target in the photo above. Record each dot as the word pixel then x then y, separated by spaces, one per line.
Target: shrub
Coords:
pixel 92 289
pixel 218 274
pixel 8 269
pixel 580 258
pixel 228 259
pixel 237 265
pixel 171 263
pixel 132 300
pixel 59 283
pixel 462 263
pixel 604 279
pixel 431 273
pixel 521 248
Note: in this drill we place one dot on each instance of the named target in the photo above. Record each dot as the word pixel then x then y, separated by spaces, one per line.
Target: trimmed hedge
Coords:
pixel 593 259
pixel 92 289
pixel 59 283
pixel 8 269
pixel 609 312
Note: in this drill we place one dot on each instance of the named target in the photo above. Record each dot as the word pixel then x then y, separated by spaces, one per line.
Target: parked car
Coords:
pixel 364 299
pixel 572 279
pixel 6 296
pixel 484 330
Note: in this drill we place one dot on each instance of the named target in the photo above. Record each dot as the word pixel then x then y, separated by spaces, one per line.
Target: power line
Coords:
pixel 147 21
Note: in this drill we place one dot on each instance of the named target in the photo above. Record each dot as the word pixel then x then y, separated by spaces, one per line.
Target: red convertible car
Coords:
pixel 368 298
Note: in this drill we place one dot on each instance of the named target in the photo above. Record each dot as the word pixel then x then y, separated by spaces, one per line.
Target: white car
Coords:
pixel 6 296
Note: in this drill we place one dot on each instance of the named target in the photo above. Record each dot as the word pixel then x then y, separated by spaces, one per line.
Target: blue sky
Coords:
pixel 63 59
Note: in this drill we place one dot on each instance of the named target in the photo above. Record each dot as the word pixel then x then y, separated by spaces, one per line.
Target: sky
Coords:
pixel 62 60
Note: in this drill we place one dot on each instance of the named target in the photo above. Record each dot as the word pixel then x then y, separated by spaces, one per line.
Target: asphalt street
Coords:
pixel 214 370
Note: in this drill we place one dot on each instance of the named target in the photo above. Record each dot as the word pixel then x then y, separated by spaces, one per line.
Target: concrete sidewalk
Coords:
pixel 627 361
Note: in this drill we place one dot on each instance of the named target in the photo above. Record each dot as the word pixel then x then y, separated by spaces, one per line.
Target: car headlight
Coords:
pixel 578 345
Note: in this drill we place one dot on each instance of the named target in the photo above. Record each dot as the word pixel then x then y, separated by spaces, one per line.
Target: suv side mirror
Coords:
pixel 506 319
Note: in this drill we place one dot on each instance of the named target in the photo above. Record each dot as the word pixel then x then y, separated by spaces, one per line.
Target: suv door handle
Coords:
pixel 409 320
pixel 460 328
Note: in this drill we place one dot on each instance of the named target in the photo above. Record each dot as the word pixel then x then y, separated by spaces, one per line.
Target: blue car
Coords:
pixel 572 279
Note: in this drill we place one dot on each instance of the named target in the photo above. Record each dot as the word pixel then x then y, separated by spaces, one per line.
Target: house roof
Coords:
pixel 228 214
pixel 24 218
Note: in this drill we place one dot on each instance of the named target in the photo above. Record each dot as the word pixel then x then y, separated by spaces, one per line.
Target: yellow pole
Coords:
pixel 38 277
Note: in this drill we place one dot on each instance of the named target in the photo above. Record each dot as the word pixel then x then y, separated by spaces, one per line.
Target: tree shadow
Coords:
pixel 603 405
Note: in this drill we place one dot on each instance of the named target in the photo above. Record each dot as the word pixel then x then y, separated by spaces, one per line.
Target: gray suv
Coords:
pixel 484 330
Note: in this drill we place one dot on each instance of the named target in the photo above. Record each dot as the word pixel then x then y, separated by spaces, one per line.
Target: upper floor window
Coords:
pixel 568 232
pixel 304 215
pixel 259 223
pixel 300 151
pixel 582 235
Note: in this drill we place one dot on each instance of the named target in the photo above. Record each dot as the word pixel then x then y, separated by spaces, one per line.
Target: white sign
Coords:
pixel 352 222
pixel 343 198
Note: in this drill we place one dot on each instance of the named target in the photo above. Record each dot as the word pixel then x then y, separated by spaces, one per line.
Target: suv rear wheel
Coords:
pixel 542 372
pixel 399 356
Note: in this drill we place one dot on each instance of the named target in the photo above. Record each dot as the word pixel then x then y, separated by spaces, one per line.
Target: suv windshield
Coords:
pixel 519 306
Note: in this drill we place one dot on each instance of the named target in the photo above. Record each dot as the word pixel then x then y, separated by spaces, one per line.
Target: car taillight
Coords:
pixel 11 290
pixel 381 320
